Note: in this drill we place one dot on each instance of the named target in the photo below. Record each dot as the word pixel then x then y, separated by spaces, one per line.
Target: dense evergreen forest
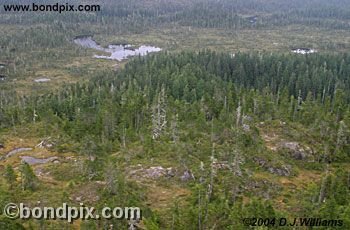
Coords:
pixel 198 137
pixel 196 107
pixel 128 15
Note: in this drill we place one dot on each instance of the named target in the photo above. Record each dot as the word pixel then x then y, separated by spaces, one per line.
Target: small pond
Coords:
pixel 40 80
pixel 303 51
pixel 117 52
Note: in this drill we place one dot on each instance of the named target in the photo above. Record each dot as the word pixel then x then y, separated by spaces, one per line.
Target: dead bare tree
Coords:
pixel 238 114
pixel 159 119
pixel 341 135
pixel 213 160
pixel 124 137
pixel 322 195
pixel 35 115
pixel 237 161
pixel 174 128
pixel 110 177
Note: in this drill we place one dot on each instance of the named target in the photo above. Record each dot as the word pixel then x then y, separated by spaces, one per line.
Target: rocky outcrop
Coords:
pixel 224 165
pixel 153 172
pixel 295 150
pixel 187 175
pixel 260 161
pixel 15 151
pixel 158 172
pixel 46 143
pixel 32 160
pixel 283 170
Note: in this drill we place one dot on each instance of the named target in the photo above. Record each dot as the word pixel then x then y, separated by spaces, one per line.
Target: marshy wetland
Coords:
pixel 200 112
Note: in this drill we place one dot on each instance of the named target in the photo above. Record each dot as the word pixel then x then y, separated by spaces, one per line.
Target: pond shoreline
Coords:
pixel 117 52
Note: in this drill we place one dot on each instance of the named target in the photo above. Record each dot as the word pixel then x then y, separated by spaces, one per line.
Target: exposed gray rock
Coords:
pixel 187 175
pixel 246 127
pixel 15 151
pixel 247 118
pixel 171 172
pixel 32 160
pixel 262 188
pixel 260 161
pixel 295 150
pixel 153 172
pixel 254 185
pixel 221 165
pixel 46 143
pixel 284 170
